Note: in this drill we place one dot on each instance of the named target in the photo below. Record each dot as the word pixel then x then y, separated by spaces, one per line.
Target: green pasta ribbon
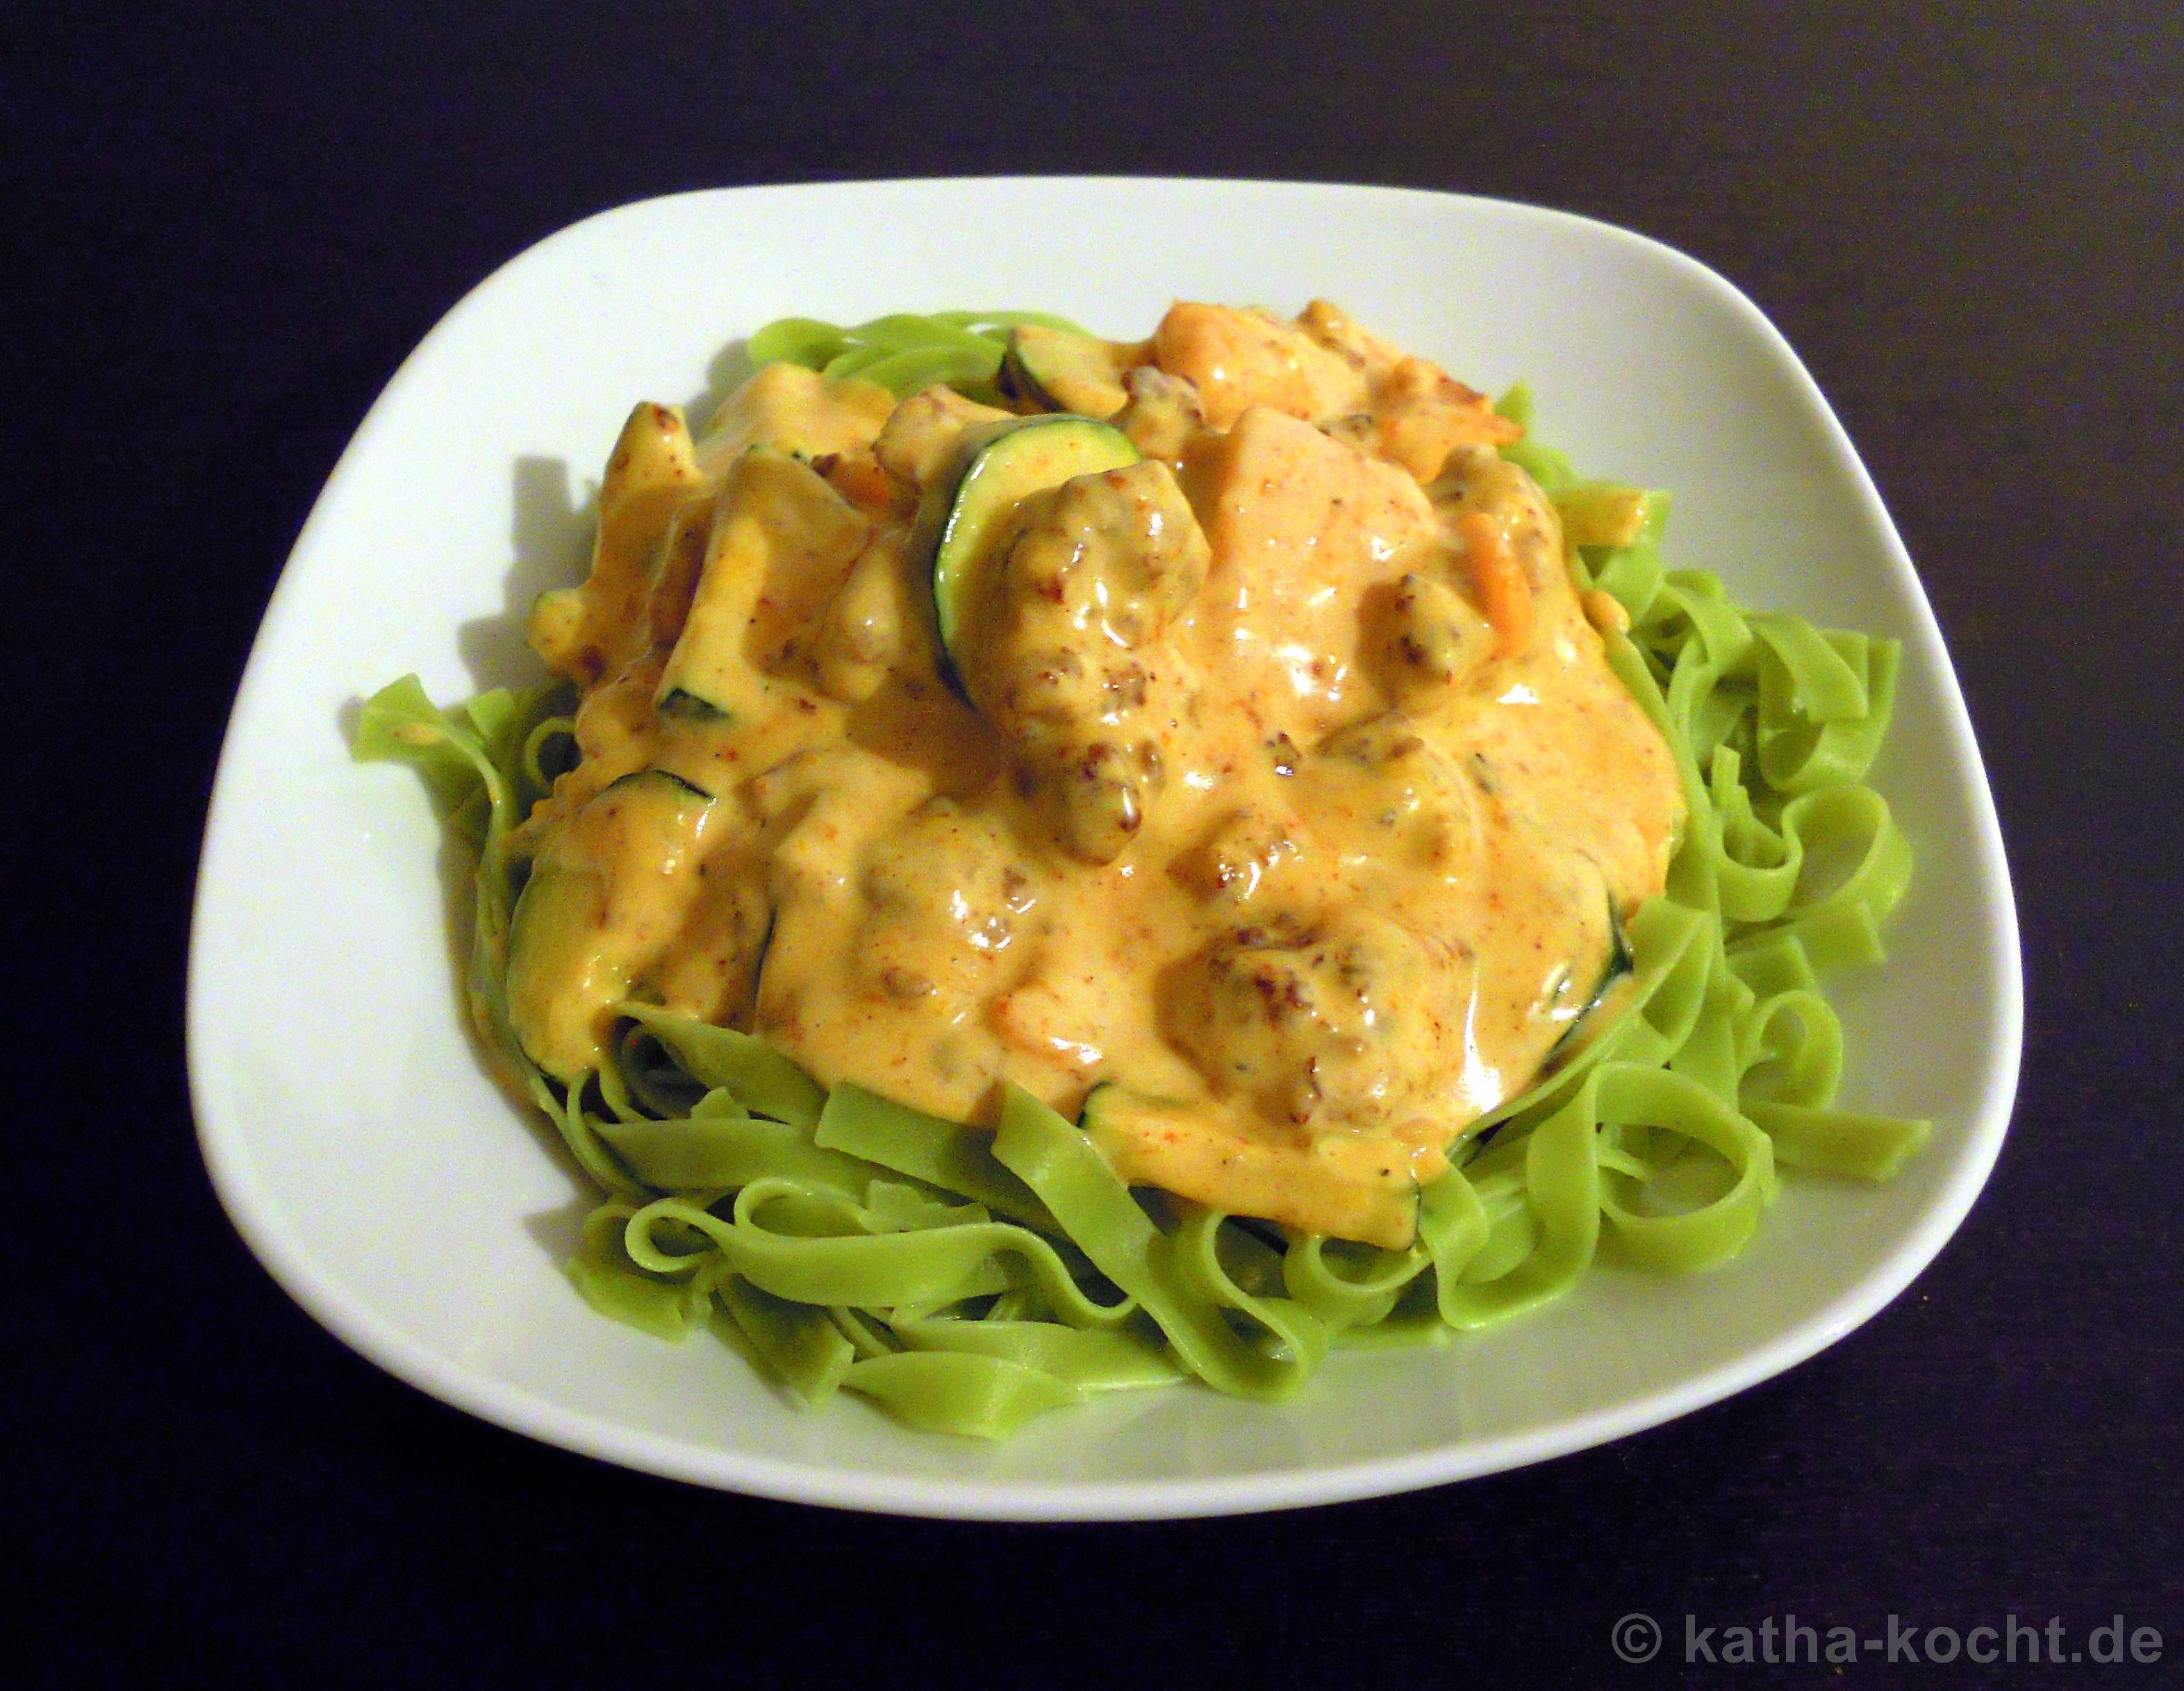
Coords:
pixel 904 353
pixel 965 1279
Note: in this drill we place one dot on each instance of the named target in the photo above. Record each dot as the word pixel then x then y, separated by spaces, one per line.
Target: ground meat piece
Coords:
pixel 1069 667
pixel 1340 1029
pixel 938 892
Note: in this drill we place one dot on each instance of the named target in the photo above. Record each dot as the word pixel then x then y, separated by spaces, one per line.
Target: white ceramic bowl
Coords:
pixel 396 1193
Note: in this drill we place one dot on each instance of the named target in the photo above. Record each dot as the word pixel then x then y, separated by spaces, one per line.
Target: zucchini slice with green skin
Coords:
pixel 778 525
pixel 998 467
pixel 1063 371
pixel 681 702
pixel 1620 966
pixel 1363 1192
pixel 572 950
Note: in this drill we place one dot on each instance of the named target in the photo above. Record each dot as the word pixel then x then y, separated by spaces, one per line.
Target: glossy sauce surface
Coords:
pixel 1277 777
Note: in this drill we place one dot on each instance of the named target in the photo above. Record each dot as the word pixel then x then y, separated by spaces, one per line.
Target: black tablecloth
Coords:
pixel 228 223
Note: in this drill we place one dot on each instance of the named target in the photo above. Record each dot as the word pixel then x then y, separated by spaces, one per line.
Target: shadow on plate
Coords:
pixel 550 538
pixel 730 367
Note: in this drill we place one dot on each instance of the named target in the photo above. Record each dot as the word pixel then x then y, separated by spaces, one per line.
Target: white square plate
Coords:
pixel 391 1188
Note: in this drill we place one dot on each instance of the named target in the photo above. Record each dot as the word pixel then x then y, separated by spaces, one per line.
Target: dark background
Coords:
pixel 227 224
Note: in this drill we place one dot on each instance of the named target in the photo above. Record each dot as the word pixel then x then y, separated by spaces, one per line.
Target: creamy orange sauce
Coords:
pixel 1286 784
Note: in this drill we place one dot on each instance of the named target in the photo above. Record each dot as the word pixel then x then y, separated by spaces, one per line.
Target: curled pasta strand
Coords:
pixel 963 1393
pixel 1288 1334
pixel 1347 1285
pixel 1800 753
pixel 551 739
pixel 1562 1188
pixel 1096 1210
pixel 1796 1036
pixel 1840 1141
pixel 1628 1096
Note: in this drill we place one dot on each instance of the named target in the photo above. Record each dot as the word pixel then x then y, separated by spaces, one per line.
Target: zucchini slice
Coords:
pixel 1062 371
pixel 1588 1022
pixel 1350 1187
pixel 573 952
pixel 781 538
pixel 968 510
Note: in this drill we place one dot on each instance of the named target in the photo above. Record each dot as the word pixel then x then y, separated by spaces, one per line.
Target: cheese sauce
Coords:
pixel 1275 785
